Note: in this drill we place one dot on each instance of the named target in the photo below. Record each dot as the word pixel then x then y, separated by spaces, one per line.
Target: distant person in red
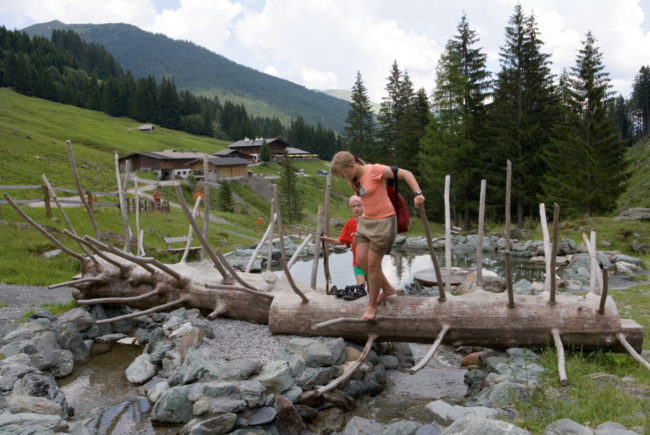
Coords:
pixel 347 236
pixel 156 197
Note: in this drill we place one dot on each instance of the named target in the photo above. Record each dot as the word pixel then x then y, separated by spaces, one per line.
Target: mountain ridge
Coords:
pixel 203 72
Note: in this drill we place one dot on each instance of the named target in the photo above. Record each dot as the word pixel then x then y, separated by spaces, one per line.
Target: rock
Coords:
pixel 566 426
pixel 428 429
pixel 141 370
pixel 64 364
pixel 53 422
pixel 41 385
pixel 337 347
pixel 173 407
pixel 315 353
pixel 446 414
pixel 356 389
pixel 79 317
pixel 579 269
pixel 352 353
pixel 264 415
pixel 17 403
pixel 611 428
pixel 239 369
pixel 196 367
pixel 419 242
pixel 68 337
pixel 472 360
pixel 390 362
pixel 471 424
pixel 359 425
pixel 218 425
pixel 253 393
pixel 494 284
pixel 288 418
pixel 626 258
pixel 635 213
pixel 402 427
pixel 156 392
pixel 13 368
pixel 524 287
pixel 275 376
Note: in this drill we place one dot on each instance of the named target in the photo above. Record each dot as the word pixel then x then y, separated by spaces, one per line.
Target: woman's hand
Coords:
pixel 418 200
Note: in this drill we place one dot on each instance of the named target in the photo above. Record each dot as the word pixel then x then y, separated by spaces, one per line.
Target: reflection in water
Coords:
pixel 98 388
pixel 400 266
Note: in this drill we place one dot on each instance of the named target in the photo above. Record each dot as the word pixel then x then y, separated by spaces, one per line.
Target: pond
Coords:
pixel 400 266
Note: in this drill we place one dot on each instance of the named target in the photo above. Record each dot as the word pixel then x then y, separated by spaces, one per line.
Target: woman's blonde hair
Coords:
pixel 341 161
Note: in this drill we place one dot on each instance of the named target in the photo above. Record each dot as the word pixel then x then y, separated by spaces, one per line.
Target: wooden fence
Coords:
pixel 91 197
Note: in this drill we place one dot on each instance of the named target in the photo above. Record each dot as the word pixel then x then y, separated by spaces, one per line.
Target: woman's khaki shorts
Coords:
pixel 380 233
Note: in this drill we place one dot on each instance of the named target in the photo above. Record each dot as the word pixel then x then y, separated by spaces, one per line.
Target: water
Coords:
pixel 400 266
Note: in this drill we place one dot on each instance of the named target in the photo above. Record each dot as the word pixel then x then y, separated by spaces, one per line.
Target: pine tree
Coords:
pixel 169 114
pixel 291 202
pixel 224 199
pixel 359 127
pixel 587 167
pixel 265 152
pixel 525 106
pixel 641 99
pixel 450 145
pixel 387 119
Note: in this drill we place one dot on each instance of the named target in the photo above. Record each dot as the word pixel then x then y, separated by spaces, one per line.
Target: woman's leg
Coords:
pixel 386 289
pixel 374 283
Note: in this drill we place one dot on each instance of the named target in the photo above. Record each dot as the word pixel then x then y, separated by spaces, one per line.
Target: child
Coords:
pixel 347 236
pixel 377 226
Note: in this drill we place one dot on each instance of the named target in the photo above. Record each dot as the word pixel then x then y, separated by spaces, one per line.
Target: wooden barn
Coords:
pixel 220 169
pixel 168 164
pixel 251 147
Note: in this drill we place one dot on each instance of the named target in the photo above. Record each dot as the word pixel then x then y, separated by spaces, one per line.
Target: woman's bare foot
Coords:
pixel 385 295
pixel 370 313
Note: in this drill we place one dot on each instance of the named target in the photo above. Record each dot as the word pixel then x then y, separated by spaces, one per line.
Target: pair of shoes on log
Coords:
pixel 352 292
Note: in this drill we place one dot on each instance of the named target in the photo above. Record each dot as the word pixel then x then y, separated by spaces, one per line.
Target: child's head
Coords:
pixel 356 208
pixel 342 161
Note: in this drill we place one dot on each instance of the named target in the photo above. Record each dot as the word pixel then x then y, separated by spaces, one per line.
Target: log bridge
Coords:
pixel 110 275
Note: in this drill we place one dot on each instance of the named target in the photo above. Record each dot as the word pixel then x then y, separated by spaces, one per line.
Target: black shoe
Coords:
pixel 354 292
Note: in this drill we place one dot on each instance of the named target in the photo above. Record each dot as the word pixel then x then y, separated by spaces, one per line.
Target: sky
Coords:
pixel 322 44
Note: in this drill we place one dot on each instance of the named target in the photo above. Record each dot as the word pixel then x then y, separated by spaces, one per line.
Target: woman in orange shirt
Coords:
pixel 377 226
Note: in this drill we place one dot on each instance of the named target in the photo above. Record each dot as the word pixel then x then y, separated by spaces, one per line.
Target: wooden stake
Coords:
pixel 46 201
pixel 432 254
pixel 142 313
pixel 325 246
pixel 621 339
pixel 125 300
pixel 283 255
pixel 295 255
pixel 89 209
pixel 479 239
pixel 560 357
pixel 603 293
pixel 556 223
pixel 431 351
pixel 206 202
pixel 267 234
pixel 547 247
pixel 188 242
pixel 511 298
pixel 317 245
pixel 447 234
pixel 123 211
pixel 42 230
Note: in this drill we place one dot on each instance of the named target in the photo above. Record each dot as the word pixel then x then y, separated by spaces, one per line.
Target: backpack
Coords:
pixel 403 218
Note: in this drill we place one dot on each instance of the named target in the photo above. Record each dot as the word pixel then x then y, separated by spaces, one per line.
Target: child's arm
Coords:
pixel 331 240
pixel 408 177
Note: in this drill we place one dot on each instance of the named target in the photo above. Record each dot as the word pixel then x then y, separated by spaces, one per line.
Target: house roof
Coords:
pixel 292 150
pixel 223 161
pixel 255 142
pixel 168 155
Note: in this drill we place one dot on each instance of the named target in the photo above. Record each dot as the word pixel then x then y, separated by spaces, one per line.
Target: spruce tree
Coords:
pixel 587 167
pixel 388 119
pixel 265 152
pixel 524 110
pixel 224 199
pixel 641 99
pixel 451 143
pixel 359 130
pixel 291 202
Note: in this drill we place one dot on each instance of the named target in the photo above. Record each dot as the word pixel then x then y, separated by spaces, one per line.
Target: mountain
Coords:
pixel 204 72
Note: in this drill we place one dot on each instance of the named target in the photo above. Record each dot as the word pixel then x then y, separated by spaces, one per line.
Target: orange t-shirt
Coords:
pixel 372 190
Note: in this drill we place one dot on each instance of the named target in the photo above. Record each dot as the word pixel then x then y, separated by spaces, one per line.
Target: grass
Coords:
pixel 596 392
pixel 52 308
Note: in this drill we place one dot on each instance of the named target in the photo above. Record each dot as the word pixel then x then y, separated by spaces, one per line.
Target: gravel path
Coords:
pixel 15 300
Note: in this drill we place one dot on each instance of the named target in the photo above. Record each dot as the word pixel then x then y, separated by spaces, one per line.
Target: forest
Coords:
pixel 565 136
pixel 68 70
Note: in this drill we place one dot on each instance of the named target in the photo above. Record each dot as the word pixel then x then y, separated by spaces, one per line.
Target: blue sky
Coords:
pixel 321 44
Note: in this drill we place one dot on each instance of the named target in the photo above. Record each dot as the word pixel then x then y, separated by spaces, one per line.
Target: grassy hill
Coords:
pixel 203 72
pixel 637 193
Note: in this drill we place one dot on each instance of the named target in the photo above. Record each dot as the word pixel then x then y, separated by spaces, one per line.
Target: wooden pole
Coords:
pixel 295 255
pixel 268 234
pixel 432 254
pixel 317 244
pixel 136 206
pixel 431 351
pixel 283 256
pixel 325 246
pixel 188 242
pixel 206 201
pixel 603 293
pixel 547 246
pixel 621 339
pixel 560 357
pixel 269 257
pixel 88 207
pixel 479 238
pixel 556 223
pixel 46 201
pixel 121 197
pixel 447 234
pixel 511 298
